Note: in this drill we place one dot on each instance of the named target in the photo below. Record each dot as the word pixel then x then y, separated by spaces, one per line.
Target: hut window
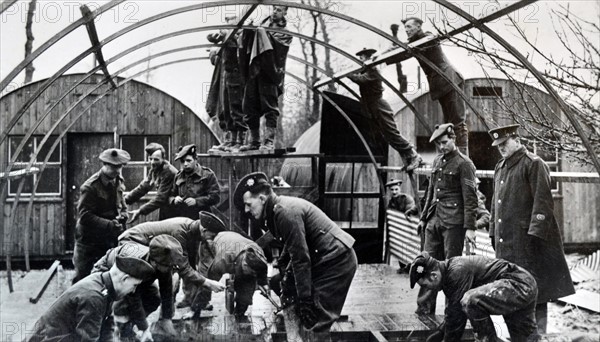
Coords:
pixel 137 169
pixel 487 91
pixel 550 156
pixel 50 180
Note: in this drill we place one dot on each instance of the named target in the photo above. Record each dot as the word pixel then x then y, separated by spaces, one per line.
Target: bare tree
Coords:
pixel 29 69
pixel 572 67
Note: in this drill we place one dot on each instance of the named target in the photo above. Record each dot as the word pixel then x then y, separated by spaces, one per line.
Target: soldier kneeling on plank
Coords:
pixel 477 287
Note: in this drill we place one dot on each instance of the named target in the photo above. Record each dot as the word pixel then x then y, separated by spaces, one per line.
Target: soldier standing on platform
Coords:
pixel 84 311
pixel 477 287
pixel 449 211
pixel 160 179
pixel 101 212
pixel 371 92
pixel 453 107
pixel 265 79
pixel 523 227
pixel 317 254
pixel 195 187
pixel 231 118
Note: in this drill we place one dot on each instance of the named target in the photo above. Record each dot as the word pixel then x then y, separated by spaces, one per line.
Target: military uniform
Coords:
pixel 403 203
pixel 320 254
pixel 450 209
pixel 482 215
pixel 161 181
pixel 441 90
pixel 477 287
pixel 100 204
pixel 231 254
pixel 202 185
pixel 523 225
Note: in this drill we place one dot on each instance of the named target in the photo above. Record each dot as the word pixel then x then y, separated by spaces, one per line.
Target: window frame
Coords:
pixel 49 165
pixel 553 165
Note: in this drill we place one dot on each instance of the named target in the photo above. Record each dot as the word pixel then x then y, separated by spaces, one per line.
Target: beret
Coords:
pixel 501 134
pixel 166 250
pixel 115 156
pixel 366 51
pixel 135 267
pixel 441 130
pixel 153 147
pixel 420 267
pixel 393 182
pixel 211 222
pixel 187 150
pixel 248 183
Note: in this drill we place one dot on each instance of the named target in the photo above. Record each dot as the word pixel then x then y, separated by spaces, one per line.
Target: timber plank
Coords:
pixel 49 274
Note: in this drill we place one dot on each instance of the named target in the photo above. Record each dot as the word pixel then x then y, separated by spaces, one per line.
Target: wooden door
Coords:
pixel 83 150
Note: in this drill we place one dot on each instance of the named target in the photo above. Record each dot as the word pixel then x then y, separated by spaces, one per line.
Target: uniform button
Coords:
pixel 455 204
pixel 439 179
pixel 444 160
pixel 499 220
pixel 499 201
pixel 501 240
pixel 316 251
pixel 437 200
pixel 438 189
pixel 501 182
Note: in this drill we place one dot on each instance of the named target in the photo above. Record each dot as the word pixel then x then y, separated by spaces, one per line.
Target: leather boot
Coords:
pixel 412 160
pixel 238 142
pixel 254 142
pixel 225 144
pixel 269 143
pixel 484 329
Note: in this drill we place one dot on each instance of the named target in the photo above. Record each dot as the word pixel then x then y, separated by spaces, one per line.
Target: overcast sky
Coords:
pixel 189 81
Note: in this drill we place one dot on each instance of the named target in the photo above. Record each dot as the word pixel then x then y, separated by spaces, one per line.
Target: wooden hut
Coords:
pixel 129 117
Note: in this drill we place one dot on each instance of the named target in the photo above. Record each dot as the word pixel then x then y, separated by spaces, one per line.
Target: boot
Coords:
pixel 412 160
pixel 225 144
pixel 238 142
pixel 126 333
pixel 483 329
pixel 254 142
pixel 269 143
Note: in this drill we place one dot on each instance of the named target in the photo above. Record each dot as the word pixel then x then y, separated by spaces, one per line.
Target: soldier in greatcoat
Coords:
pixel 101 212
pixel 83 312
pixel 523 227
pixel 159 179
pixel 441 90
pixel 195 187
pixel 451 203
pixel 316 252
pixel 475 288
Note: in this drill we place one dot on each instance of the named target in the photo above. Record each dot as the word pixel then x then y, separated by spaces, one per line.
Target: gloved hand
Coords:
pixel 307 312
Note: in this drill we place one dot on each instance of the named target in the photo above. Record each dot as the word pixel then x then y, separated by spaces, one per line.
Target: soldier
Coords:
pixel 232 119
pixel 246 263
pixel 523 227
pixel 84 311
pixel 265 77
pixel 400 201
pixel 101 212
pixel 195 187
pixel 449 211
pixel 316 252
pixel 190 234
pixel 441 90
pixel 477 287
pixel 165 254
pixel 160 179
pixel 371 91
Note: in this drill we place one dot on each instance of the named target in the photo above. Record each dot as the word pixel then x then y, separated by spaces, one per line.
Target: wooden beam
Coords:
pixel 400 54
pixel 49 274
pixel 93 34
pixel 12 175
pixel 6 4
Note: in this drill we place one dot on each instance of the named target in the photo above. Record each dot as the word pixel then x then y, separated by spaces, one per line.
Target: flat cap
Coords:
pixel 501 134
pixel 153 147
pixel 441 130
pixel 166 250
pixel 249 182
pixel 393 182
pixel 185 151
pixel 420 267
pixel 115 156
pixel 365 51
pixel 211 222
pixel 135 267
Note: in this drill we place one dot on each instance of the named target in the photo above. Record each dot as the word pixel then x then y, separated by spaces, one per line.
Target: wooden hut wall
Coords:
pixel 134 109
pixel 578 215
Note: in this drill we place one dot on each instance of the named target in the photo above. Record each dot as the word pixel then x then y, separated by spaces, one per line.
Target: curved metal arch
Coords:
pixel 565 108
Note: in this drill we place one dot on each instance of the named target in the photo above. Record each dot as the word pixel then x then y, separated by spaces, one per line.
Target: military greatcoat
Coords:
pixel 523 225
